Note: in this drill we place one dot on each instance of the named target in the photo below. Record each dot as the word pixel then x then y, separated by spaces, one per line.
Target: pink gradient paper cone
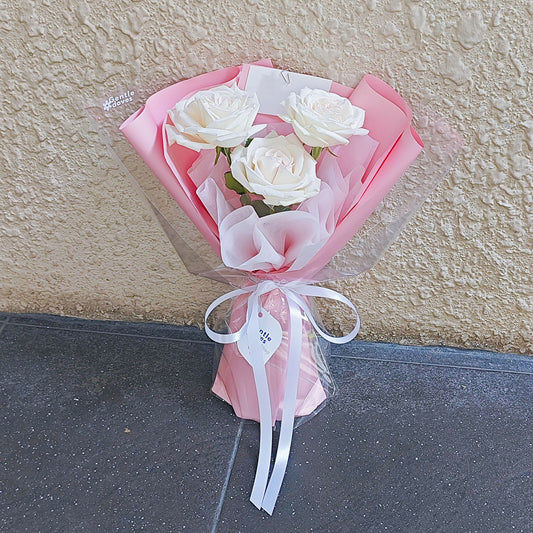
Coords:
pixel 234 381
pixel 388 118
pixel 395 146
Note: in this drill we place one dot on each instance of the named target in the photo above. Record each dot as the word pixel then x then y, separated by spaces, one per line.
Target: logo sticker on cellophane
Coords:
pixel 270 335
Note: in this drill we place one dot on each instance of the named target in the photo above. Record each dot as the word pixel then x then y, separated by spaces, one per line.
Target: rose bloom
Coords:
pixel 276 167
pixel 323 119
pixel 221 116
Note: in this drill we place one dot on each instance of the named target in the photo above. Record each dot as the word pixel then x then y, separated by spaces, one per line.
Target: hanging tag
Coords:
pixel 273 86
pixel 270 336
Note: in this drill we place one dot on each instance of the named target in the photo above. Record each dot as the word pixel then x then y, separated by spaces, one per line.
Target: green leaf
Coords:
pixel 233 184
pixel 245 199
pixel 248 141
pixel 261 208
pixel 281 208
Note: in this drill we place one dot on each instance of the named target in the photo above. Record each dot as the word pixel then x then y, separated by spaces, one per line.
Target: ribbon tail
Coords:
pixel 289 408
pixel 265 411
pixel 265 437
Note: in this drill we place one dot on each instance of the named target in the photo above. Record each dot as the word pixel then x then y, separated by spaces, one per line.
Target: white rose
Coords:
pixel 323 119
pixel 221 116
pixel 276 167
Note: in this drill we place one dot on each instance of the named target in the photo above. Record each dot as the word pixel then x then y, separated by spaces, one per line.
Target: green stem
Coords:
pixel 225 151
pixel 316 151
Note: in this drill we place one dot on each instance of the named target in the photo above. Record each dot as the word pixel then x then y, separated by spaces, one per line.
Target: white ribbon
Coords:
pixel 265 492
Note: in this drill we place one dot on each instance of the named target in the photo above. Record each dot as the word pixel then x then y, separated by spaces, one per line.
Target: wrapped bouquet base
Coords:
pixel 273 351
pixel 277 171
pixel 234 381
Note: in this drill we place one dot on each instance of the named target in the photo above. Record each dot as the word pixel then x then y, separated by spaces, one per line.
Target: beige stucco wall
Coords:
pixel 76 240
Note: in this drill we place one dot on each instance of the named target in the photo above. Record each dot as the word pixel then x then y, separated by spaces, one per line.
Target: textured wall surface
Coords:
pixel 75 238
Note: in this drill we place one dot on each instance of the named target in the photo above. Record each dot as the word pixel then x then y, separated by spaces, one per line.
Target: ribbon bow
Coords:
pixel 265 492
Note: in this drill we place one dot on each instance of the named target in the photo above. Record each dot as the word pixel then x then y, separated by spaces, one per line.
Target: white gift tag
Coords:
pixel 273 86
pixel 270 335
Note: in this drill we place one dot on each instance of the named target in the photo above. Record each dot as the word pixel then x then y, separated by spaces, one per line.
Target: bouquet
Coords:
pixel 278 171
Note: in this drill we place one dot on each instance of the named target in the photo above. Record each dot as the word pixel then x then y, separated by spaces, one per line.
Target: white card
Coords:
pixel 270 335
pixel 273 86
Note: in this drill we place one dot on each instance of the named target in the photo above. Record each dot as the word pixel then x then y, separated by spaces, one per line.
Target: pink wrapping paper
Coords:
pixel 388 119
pixel 234 371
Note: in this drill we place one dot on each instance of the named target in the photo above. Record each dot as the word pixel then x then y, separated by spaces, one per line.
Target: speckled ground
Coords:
pixel 109 426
